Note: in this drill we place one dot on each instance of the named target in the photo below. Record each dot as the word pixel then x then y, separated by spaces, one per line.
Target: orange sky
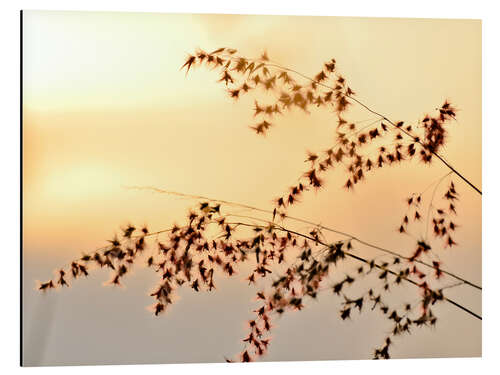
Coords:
pixel 106 106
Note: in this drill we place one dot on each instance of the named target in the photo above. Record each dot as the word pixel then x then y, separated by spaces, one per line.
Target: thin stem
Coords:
pixel 419 142
pixel 320 226
pixel 283 68
pixel 361 259
pixel 430 203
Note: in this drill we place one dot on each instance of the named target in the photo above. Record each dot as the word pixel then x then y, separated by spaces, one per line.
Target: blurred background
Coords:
pixel 106 106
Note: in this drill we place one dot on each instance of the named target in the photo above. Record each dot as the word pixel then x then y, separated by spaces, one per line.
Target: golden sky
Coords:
pixel 105 106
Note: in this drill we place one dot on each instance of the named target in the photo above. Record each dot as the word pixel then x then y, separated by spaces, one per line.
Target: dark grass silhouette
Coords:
pixel 300 265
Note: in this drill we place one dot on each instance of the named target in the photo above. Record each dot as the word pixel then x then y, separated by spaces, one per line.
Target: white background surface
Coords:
pixel 9 266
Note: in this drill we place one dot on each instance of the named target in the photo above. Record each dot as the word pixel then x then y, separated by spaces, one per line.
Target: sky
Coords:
pixel 106 107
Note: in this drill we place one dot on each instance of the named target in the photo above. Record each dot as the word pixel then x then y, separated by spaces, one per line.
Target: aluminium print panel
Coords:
pixel 210 188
